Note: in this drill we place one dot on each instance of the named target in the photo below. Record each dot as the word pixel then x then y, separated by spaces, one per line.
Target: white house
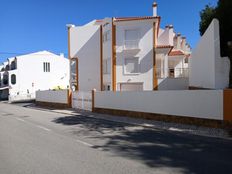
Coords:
pixel 128 53
pixel 21 76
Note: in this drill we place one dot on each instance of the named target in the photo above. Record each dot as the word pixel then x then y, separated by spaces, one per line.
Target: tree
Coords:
pixel 223 13
pixel 207 16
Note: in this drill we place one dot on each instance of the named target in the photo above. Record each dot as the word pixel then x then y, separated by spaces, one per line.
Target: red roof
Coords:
pixel 176 53
pixel 99 20
pixel 164 46
pixel 118 19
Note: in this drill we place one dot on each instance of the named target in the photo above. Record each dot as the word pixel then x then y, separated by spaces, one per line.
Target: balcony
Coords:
pixel 131 44
pixel 172 73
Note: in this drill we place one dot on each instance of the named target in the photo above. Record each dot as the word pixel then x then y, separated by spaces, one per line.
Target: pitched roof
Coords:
pixel 99 20
pixel 176 53
pixel 120 19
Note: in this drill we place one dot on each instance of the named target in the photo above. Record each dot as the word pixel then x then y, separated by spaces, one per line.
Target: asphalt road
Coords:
pixel 41 142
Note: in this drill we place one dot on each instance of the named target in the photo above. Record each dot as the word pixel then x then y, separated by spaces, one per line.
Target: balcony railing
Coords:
pixel 172 73
pixel 131 44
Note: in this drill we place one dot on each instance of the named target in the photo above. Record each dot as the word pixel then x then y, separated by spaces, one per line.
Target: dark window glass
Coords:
pixel 13 79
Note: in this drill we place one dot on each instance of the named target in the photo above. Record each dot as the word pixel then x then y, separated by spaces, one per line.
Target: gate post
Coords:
pixel 227 105
pixel 69 97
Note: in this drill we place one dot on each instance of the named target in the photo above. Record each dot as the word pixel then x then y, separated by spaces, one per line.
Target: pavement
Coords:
pixel 38 141
pixel 152 124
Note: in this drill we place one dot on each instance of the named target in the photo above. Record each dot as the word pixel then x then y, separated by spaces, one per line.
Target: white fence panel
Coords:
pixel 21 97
pixel 82 100
pixel 50 96
pixel 196 103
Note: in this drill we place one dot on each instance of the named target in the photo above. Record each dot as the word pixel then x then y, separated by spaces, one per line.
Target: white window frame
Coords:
pixel 106 65
pixel 11 79
pixel 106 36
pixel 136 40
pixel 124 66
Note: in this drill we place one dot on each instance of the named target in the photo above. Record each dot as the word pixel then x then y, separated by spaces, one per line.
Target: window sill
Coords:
pixel 130 74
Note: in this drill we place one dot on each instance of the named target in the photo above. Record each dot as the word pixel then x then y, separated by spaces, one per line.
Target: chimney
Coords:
pixel 188 48
pixel 171 35
pixel 169 32
pixel 183 43
pixel 154 6
pixel 175 41
pixel 70 26
pixel 179 41
pixel 62 55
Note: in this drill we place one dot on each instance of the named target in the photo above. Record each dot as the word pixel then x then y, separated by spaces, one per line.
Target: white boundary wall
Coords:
pixel 50 96
pixel 206 104
pixel 207 68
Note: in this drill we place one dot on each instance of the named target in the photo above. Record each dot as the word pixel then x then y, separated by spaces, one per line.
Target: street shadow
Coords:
pixel 90 125
pixel 162 149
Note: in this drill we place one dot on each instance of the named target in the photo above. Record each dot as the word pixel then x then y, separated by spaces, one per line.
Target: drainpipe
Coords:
pixel 69 26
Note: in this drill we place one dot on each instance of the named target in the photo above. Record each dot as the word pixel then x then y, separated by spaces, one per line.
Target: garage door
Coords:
pixel 131 86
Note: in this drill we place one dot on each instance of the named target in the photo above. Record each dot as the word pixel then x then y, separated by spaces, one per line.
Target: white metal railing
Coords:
pixel 82 100
pixel 131 44
pixel 2 85
pixel 172 73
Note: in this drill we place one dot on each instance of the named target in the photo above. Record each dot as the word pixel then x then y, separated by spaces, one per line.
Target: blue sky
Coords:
pixel 34 25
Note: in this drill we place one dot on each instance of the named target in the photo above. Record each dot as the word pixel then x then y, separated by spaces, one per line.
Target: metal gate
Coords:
pixel 82 100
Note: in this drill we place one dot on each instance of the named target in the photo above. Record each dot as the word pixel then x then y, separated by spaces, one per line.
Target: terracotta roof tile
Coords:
pixel 164 46
pixel 118 19
pixel 176 53
pixel 99 20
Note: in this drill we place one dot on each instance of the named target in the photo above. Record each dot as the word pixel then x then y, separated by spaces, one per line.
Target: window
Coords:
pixel 171 72
pixel 13 65
pixel 7 68
pixel 106 87
pixel 46 67
pixel 5 79
pixel 13 79
pixel 106 66
pixel 131 34
pixel 74 74
pixel 73 70
pixel 106 36
pixel 131 65
pixel 131 39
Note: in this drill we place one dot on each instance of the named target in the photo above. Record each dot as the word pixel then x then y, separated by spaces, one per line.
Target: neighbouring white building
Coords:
pixel 207 68
pixel 128 53
pixel 22 76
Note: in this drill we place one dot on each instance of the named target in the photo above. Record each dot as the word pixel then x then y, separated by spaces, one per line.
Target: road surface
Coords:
pixel 41 142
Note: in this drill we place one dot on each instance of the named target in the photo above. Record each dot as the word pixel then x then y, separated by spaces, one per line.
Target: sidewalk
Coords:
pixel 151 124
